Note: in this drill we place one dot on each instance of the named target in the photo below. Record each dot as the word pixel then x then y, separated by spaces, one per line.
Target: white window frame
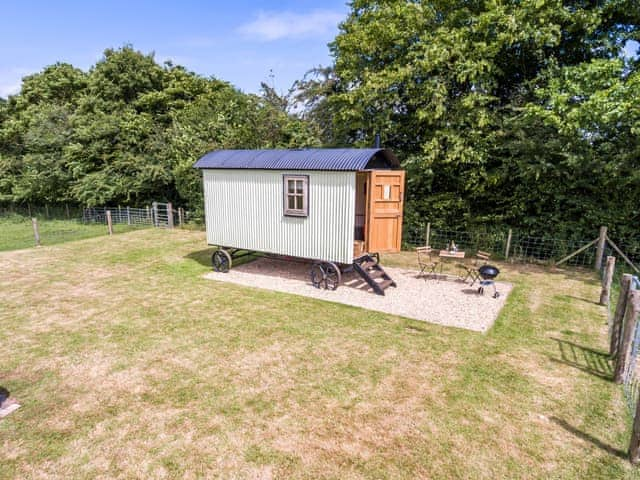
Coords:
pixel 296 212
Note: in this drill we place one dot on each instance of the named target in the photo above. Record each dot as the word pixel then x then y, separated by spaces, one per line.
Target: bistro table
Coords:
pixel 445 254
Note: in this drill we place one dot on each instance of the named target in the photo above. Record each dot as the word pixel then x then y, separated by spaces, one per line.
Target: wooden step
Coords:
pixel 368 265
pixel 376 273
pixel 386 284
pixel 371 271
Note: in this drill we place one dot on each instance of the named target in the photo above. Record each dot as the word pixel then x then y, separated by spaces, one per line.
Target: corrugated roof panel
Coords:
pixel 344 159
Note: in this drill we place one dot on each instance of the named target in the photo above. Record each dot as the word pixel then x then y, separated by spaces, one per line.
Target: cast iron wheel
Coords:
pixel 332 276
pixel 496 295
pixel 221 261
pixel 481 291
pixel 317 275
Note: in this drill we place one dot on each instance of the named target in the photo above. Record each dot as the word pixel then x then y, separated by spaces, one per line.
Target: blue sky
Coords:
pixel 238 41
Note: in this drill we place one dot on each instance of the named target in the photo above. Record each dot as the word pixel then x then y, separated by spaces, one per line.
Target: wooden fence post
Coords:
pixel 634 444
pixel 148 213
pixel 36 232
pixel 109 222
pixel 628 329
pixel 128 216
pixel 428 235
pixel 154 213
pixel 606 282
pixel 602 238
pixel 618 317
pixel 169 215
pixel 508 247
pixel 66 208
pixel 46 210
pixel 180 216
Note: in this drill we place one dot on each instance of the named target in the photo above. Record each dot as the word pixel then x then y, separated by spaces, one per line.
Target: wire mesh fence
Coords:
pixel 631 374
pixel 44 212
pixel 155 215
pixel 119 215
pixel 624 346
pixel 505 244
pixel 465 240
pixel 27 226
pixel 20 232
pixel 630 248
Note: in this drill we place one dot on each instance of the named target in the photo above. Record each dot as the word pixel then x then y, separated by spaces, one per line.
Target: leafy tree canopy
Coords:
pixel 128 131
pixel 512 111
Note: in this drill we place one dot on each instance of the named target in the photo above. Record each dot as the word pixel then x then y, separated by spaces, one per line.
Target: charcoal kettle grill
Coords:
pixel 488 273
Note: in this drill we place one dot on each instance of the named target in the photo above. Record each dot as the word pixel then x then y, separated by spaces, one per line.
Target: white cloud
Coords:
pixel 269 26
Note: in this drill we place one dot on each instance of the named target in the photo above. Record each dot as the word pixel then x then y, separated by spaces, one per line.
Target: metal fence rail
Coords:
pixel 23 232
pixel 517 247
pixel 45 212
pixel 24 227
pixel 504 244
pixel 119 215
pixel 156 215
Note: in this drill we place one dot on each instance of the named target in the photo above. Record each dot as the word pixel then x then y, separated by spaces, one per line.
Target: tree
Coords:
pixel 33 132
pixel 447 84
pixel 575 153
pixel 128 131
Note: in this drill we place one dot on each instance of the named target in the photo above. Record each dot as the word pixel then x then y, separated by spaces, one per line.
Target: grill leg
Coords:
pixel 486 283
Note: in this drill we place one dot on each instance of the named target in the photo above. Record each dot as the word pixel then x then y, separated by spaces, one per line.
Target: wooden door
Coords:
pixel 385 199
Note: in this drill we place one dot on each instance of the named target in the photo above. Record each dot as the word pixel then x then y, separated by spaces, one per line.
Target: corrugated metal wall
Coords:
pixel 244 209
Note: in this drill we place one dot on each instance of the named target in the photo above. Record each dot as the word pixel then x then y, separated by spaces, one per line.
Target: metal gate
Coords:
pixel 164 215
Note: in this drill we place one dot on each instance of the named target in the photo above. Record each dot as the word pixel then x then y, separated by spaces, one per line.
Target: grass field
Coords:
pixel 129 364
pixel 16 232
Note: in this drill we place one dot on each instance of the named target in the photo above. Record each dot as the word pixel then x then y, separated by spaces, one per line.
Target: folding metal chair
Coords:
pixel 471 270
pixel 426 262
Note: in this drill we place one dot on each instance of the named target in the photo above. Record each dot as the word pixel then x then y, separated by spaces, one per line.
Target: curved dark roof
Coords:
pixel 346 159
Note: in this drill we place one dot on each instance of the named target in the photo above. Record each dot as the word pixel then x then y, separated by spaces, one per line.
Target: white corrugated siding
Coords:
pixel 244 209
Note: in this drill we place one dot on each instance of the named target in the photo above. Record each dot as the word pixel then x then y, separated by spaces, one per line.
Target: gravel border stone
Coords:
pixel 442 301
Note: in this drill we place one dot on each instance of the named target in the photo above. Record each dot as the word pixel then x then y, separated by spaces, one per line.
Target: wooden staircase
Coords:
pixel 372 273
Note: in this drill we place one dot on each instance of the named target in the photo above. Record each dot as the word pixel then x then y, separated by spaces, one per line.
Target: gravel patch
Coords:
pixel 444 301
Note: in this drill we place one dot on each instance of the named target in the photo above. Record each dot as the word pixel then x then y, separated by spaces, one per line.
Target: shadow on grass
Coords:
pixel 419 328
pixel 589 438
pixel 203 257
pixel 589 360
pixel 580 299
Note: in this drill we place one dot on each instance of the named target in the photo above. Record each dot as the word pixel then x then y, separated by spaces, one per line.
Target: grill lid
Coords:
pixel 488 271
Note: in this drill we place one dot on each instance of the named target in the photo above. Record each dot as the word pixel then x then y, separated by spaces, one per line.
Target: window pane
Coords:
pixel 295 192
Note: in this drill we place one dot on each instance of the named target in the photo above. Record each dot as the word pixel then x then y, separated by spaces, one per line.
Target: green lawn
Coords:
pixel 128 363
pixel 17 232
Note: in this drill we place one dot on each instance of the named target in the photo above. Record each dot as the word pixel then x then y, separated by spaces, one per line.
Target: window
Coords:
pixel 296 195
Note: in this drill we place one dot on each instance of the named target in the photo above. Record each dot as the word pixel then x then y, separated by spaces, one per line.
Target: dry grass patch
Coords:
pixel 129 364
